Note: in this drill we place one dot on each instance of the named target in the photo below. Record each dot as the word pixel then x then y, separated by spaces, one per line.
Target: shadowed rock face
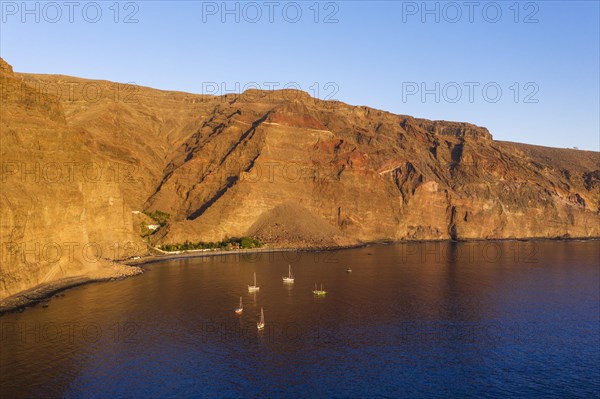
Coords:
pixel 282 166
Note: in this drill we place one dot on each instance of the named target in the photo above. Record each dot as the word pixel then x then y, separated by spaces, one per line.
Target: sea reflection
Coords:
pixel 458 319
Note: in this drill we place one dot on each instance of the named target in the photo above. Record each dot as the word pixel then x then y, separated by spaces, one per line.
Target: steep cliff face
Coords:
pixel 370 175
pixel 62 210
pixel 132 127
pixel 282 166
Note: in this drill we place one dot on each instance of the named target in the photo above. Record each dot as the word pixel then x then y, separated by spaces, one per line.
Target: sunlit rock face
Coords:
pixel 282 166
pixel 360 174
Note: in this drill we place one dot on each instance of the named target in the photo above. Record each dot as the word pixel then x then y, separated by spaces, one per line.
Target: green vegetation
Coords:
pixel 159 217
pixel 226 244
pixel 144 230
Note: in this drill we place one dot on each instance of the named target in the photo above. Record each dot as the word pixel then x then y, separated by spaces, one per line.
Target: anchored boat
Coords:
pixel 290 277
pixel 320 292
pixel 253 288
pixel 261 324
pixel 240 308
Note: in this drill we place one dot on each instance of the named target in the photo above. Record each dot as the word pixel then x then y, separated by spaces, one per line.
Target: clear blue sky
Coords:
pixel 380 54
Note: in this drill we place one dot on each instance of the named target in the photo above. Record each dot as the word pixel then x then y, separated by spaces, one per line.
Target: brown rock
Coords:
pixel 282 166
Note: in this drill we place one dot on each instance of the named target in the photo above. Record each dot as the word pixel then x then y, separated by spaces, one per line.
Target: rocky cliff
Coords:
pixel 62 209
pixel 282 166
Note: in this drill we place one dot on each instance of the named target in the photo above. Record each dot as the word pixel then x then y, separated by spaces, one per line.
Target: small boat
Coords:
pixel 261 324
pixel 320 292
pixel 240 308
pixel 348 270
pixel 253 288
pixel 290 278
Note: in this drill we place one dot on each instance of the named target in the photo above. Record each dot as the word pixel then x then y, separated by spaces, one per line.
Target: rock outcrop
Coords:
pixel 282 166
pixel 371 175
pixel 63 211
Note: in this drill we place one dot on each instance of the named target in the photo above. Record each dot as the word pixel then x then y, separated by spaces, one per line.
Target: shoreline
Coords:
pixel 145 260
pixel 44 292
pixel 39 294
pixel 191 254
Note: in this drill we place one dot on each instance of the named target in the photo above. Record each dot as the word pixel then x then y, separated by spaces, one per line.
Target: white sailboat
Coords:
pixel 290 277
pixel 240 308
pixel 253 288
pixel 261 324
pixel 320 292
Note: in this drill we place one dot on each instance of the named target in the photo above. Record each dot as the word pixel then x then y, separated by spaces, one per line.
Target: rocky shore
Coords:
pixel 134 267
pixel 281 167
pixel 43 292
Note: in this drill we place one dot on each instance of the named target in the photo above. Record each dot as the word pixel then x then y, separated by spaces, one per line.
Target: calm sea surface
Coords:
pixel 506 319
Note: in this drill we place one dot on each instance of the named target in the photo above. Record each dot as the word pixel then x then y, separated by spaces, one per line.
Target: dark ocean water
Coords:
pixel 505 319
